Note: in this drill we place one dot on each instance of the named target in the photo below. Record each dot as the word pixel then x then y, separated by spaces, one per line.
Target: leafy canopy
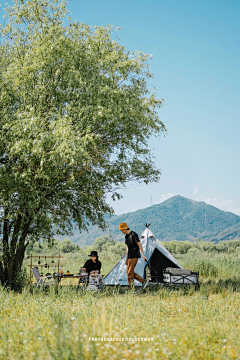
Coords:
pixel 75 118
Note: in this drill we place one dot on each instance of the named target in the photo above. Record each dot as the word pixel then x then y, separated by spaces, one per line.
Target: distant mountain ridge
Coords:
pixel 177 218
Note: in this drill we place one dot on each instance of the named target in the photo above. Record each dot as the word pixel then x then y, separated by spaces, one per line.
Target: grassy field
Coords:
pixel 159 324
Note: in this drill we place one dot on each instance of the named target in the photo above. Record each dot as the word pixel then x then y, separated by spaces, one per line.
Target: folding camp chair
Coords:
pixel 42 280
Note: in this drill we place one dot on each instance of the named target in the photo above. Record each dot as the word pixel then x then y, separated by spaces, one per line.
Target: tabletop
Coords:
pixel 69 276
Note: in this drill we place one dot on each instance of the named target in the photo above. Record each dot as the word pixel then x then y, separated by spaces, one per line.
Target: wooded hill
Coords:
pixel 177 218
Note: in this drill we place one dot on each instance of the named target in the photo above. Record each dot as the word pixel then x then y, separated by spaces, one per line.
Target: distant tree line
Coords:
pixel 101 244
pixel 107 244
pixel 57 246
pixel 184 247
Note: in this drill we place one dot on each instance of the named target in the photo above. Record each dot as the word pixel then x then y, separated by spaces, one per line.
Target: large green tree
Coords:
pixel 75 118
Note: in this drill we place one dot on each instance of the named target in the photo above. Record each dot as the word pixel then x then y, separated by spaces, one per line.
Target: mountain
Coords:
pixel 177 218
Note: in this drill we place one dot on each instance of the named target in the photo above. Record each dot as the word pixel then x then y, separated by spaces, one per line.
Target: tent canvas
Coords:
pixel 157 256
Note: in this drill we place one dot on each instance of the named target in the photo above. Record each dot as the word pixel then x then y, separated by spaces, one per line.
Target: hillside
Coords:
pixel 177 218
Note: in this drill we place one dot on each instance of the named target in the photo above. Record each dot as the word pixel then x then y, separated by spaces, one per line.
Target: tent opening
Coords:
pixel 157 263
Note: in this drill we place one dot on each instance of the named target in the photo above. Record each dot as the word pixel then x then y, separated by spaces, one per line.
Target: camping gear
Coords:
pixel 158 259
pixel 42 281
pixel 172 276
pixel 123 226
pixel 95 282
pixel 43 264
pixel 93 253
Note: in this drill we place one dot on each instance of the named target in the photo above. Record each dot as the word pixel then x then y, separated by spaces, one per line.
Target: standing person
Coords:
pixel 133 253
pixel 93 265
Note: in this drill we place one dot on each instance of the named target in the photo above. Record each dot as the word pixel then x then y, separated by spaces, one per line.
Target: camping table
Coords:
pixel 80 277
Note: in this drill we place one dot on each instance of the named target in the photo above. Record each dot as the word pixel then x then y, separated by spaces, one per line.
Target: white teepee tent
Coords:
pixel 158 257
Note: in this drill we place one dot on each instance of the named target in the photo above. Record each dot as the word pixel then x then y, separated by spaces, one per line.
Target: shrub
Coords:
pixel 237 249
pixel 21 280
pixel 204 266
pixel 193 250
pixel 67 246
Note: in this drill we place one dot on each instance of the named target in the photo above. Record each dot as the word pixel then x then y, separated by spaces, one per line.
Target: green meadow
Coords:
pixel 61 323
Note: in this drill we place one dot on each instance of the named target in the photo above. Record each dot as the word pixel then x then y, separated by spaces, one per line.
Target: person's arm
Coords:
pixel 141 249
pixel 85 267
pixel 127 255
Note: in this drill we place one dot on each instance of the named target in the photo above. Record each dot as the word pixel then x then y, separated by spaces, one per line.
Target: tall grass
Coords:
pixel 159 324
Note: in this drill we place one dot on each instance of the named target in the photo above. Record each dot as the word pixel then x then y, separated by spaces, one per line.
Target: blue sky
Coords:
pixel 196 52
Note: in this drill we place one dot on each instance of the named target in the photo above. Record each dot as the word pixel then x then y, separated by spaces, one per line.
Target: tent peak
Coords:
pixel 147 225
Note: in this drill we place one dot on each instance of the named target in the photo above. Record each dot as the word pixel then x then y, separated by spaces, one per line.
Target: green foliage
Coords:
pixel 183 247
pixel 178 247
pixel 193 250
pixel 109 245
pixel 100 242
pixel 21 280
pixel 119 249
pixel 56 246
pixel 44 248
pixel 75 117
pixel 67 246
pixel 206 267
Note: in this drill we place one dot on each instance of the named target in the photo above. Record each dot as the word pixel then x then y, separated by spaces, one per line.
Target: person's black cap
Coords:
pixel 93 253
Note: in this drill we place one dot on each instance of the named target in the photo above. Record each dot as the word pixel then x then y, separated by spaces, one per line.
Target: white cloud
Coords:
pixel 195 189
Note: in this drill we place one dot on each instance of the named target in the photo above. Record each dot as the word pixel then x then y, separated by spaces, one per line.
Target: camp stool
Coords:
pixel 42 280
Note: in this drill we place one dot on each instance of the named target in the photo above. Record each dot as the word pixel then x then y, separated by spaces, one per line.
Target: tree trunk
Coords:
pixel 1 274
pixel 12 248
pixel 5 256
pixel 13 253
